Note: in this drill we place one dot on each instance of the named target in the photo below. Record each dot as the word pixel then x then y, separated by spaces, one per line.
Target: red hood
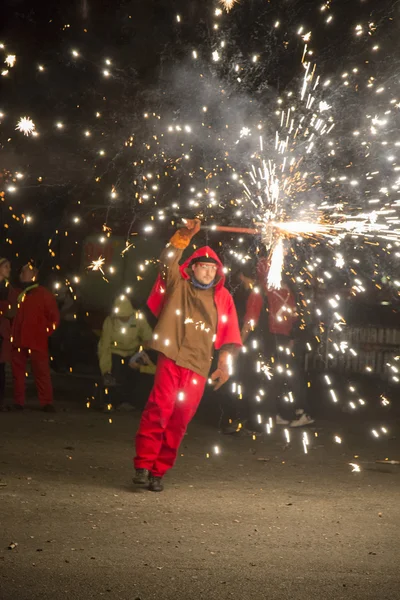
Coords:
pixel 208 252
pixel 156 299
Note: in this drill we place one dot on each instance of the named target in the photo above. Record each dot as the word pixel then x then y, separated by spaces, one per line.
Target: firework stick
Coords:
pixel 222 228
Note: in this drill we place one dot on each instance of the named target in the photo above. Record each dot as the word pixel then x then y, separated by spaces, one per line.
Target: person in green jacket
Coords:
pixel 121 356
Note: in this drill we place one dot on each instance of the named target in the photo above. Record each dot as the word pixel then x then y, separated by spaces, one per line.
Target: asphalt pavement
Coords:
pixel 239 517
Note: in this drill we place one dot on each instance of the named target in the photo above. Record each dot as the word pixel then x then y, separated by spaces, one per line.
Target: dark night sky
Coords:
pixel 146 46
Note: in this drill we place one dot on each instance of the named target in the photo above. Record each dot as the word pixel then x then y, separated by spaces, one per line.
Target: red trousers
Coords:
pixel 172 404
pixel 41 374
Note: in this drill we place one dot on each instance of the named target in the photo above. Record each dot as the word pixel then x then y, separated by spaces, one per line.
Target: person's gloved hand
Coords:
pixel 182 237
pixel 109 380
pixel 222 372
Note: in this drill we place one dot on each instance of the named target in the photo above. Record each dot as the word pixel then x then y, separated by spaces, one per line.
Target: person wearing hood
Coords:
pixel 123 333
pixel 287 357
pixel 36 319
pixel 195 314
pixel 8 304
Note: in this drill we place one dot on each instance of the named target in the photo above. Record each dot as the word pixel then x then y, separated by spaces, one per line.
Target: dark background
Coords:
pixel 152 71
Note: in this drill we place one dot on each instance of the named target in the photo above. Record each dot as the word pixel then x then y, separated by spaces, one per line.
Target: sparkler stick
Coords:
pixel 232 229
pixel 228 228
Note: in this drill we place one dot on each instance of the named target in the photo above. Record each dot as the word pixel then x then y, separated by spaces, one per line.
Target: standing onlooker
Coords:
pixel 285 349
pixel 8 301
pixel 124 331
pixel 36 319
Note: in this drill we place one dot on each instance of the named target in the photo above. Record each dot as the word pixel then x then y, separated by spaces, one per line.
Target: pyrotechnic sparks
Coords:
pixel 228 4
pixel 355 468
pixel 10 60
pixel 97 265
pixel 26 126
pixel 275 271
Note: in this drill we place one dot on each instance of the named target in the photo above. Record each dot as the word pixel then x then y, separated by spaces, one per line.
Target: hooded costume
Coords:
pixel 282 318
pixel 192 320
pixel 36 319
pixel 122 338
pixel 281 304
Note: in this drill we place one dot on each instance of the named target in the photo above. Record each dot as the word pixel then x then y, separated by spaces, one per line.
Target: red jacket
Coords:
pixel 7 307
pixel 281 310
pixel 281 303
pixel 227 328
pixel 36 319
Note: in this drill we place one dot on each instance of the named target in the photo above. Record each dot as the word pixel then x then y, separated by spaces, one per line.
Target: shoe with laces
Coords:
pixel 302 421
pixel 280 421
pixel 156 484
pixel 141 476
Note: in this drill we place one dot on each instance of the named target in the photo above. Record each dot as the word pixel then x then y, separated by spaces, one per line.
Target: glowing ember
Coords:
pixel 26 126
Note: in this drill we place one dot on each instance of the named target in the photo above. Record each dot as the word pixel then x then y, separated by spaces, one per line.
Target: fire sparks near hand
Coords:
pixel 26 126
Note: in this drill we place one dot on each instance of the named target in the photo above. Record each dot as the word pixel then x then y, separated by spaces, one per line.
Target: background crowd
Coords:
pixel 30 315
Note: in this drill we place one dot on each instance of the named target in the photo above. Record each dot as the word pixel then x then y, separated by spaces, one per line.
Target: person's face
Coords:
pixel 5 270
pixel 28 273
pixel 205 272
pixel 123 319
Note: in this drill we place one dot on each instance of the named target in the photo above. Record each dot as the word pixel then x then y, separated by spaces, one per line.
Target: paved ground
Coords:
pixel 293 526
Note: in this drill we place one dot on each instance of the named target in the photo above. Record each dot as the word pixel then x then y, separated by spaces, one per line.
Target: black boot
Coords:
pixel 156 484
pixel 18 407
pixel 48 408
pixel 141 476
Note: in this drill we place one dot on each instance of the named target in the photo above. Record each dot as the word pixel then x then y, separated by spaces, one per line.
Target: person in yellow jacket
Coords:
pixel 121 354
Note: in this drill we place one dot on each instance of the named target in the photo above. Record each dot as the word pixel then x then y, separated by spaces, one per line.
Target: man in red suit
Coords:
pixel 195 314
pixel 36 319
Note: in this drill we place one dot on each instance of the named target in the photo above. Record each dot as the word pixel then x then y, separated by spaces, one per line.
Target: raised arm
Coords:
pixel 172 253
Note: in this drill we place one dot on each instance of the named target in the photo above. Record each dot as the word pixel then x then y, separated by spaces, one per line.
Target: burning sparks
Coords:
pixel 26 126
pixel 275 271
pixel 10 60
pixel 355 468
pixel 97 265
pixel 228 4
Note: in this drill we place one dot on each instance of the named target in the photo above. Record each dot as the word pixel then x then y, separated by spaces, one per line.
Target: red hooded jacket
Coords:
pixel 227 328
pixel 281 304
pixel 36 319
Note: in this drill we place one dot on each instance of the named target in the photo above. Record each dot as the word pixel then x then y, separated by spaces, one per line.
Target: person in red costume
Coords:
pixel 288 373
pixel 195 314
pixel 36 319
pixel 8 303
